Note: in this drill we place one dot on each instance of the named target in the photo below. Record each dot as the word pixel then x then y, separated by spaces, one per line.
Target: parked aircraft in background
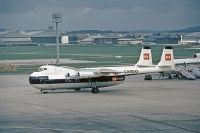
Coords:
pixel 51 77
pixel 195 59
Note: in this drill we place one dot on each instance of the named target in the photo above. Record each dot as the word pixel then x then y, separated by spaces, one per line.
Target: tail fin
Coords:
pixel 167 58
pixel 145 57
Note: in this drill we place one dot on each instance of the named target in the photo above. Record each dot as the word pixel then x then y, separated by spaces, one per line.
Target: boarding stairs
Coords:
pixel 185 73
pixel 194 69
pixel 190 72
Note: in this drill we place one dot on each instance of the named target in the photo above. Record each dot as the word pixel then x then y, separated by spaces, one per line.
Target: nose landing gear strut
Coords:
pixel 95 90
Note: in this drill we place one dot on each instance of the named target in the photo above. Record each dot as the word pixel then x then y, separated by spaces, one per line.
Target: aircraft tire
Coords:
pixel 77 89
pixel 148 77
pixel 95 90
pixel 43 92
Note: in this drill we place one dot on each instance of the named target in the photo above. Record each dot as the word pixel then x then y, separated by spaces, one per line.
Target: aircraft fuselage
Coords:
pixel 47 83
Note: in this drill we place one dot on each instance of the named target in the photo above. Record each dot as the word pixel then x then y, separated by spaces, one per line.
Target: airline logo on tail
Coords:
pixel 167 57
pixel 146 56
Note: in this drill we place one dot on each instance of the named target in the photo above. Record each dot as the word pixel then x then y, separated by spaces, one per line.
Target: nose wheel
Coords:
pixel 42 91
pixel 95 90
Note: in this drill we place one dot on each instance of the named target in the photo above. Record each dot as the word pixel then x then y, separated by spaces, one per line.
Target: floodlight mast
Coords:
pixel 56 18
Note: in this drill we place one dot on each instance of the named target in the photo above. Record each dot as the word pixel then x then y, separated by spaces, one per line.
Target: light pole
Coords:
pixel 56 18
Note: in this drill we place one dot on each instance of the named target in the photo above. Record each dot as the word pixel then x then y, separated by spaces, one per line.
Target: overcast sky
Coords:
pixel 100 14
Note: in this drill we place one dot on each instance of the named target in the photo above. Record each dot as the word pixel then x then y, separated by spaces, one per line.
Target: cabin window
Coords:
pixel 42 69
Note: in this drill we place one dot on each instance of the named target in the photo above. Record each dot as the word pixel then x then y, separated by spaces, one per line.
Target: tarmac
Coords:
pixel 136 106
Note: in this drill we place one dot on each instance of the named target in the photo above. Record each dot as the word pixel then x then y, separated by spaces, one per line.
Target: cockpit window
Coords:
pixel 42 69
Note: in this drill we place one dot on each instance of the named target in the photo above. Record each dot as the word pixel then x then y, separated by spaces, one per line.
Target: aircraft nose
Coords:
pixel 32 79
pixel 38 79
pixel 34 74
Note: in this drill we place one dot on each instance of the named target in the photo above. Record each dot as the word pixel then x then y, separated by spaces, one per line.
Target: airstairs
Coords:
pixel 195 70
pixel 190 72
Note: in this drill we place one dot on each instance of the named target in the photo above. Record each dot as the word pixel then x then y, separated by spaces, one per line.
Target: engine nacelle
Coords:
pixel 197 55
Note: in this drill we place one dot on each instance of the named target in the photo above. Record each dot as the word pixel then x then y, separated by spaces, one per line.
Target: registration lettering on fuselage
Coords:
pixel 130 71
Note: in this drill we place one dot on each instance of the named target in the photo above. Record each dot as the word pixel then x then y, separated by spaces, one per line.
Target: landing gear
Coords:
pixel 77 89
pixel 148 77
pixel 95 90
pixel 42 91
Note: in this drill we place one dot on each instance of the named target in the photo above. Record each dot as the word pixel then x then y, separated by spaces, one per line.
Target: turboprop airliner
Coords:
pixel 194 60
pixel 50 77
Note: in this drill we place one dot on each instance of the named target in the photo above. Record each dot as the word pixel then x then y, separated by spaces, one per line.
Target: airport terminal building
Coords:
pixel 30 38
pixel 14 38
pixel 191 38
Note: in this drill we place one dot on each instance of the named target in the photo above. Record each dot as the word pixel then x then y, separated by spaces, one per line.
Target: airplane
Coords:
pixel 50 77
pixel 194 60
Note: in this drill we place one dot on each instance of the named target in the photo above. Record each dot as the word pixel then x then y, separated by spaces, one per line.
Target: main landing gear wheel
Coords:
pixel 77 89
pixel 95 90
pixel 42 91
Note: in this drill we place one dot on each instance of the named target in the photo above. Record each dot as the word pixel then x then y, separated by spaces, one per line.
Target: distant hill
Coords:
pixel 2 30
pixel 94 32
pixel 189 29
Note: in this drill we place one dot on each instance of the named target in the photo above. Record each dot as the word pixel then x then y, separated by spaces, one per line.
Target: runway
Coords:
pixel 164 106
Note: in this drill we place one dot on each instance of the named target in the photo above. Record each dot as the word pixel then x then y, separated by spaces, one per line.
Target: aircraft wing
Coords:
pixel 109 72
pixel 100 72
